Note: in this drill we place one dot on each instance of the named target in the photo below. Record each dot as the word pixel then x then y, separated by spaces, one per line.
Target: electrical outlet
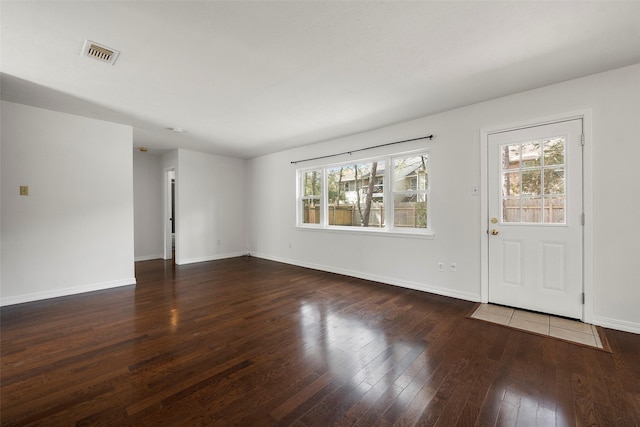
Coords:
pixel 452 266
pixel 441 266
pixel 24 190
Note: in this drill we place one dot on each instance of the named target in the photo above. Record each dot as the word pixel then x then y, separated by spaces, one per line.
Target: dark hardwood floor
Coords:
pixel 250 342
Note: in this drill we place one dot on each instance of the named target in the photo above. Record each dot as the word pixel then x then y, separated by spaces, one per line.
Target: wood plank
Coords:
pixel 246 341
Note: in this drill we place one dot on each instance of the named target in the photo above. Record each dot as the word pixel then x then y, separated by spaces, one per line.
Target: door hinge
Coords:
pixel 582 218
pixel 582 139
pixel 583 298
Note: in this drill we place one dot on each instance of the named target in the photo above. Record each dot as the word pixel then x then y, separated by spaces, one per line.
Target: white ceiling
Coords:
pixel 250 78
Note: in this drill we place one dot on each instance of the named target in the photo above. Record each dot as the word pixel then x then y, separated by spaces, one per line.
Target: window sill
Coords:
pixel 427 235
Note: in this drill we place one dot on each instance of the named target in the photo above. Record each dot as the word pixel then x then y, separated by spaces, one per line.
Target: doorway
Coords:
pixel 534 221
pixel 170 215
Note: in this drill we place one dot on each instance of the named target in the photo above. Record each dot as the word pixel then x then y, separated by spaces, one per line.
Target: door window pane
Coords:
pixel 511 211
pixel 511 156
pixel 554 181
pixel 554 210
pixel 554 151
pixel 531 155
pixel 531 182
pixel 532 209
pixel 510 184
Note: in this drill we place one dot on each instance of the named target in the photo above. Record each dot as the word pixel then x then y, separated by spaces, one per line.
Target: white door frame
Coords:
pixel 587 197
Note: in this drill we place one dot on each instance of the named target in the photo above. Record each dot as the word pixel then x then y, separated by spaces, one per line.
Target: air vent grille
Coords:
pixel 99 52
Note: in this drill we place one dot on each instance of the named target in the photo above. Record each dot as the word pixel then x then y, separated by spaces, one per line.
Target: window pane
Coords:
pixel 510 184
pixel 554 208
pixel 311 183
pixel 410 211
pixel 554 151
pixel 356 194
pixel 554 181
pixel 531 155
pixel 511 210
pixel 311 211
pixel 510 154
pixel 342 215
pixel 532 209
pixel 337 185
pixel 348 215
pixel 531 182
pixel 410 173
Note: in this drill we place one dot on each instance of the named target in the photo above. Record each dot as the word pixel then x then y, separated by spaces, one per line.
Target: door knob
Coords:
pixel 494 232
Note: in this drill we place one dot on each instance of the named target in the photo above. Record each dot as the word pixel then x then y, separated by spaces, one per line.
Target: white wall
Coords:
pixel 147 206
pixel 613 98
pixel 211 210
pixel 74 232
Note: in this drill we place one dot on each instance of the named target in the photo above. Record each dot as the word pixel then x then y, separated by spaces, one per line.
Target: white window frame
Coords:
pixel 388 198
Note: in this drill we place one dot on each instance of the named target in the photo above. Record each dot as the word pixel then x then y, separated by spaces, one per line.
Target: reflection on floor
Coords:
pixel 541 324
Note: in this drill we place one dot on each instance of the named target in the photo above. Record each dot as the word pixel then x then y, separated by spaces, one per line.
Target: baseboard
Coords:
pixel 209 258
pixel 620 325
pixel 375 278
pixel 148 257
pixel 37 296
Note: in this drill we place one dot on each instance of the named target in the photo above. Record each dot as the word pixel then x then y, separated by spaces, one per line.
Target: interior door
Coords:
pixel 535 218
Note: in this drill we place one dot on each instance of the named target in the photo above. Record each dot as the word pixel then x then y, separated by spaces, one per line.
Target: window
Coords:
pixel 354 195
pixel 311 190
pixel 533 181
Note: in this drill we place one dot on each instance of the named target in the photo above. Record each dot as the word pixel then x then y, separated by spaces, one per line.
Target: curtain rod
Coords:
pixel 362 149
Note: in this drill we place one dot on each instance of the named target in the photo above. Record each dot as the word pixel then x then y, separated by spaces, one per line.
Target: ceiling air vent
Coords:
pixel 99 52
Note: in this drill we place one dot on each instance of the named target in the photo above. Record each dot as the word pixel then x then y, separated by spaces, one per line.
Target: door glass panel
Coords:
pixel 511 210
pixel 554 151
pixel 531 182
pixel 511 156
pixel 531 154
pixel 554 181
pixel 554 210
pixel 510 184
pixel 529 171
pixel 532 209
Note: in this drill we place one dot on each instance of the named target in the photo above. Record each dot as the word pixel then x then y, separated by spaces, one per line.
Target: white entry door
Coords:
pixel 535 218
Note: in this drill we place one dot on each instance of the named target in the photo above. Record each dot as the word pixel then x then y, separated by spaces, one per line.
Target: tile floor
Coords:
pixel 558 327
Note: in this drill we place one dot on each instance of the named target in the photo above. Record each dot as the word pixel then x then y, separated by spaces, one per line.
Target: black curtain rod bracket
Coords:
pixel 362 149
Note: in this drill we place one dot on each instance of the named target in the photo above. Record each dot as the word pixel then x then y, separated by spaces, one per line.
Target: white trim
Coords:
pixel 372 231
pixel 375 278
pixel 620 325
pixel 587 185
pixel 210 258
pixel 19 299
pixel 148 257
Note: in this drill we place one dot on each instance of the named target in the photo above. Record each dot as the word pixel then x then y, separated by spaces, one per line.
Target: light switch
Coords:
pixel 24 190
